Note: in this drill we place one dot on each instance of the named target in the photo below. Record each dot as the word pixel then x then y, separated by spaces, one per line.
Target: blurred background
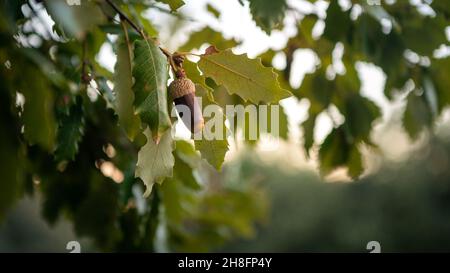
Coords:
pixel 401 200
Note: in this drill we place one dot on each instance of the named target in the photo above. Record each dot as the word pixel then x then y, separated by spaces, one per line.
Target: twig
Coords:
pixel 85 78
pixel 127 40
pixel 124 17
pixel 180 16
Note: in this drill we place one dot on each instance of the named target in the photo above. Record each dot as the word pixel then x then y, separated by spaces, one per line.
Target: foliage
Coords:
pixel 84 137
pixel 239 75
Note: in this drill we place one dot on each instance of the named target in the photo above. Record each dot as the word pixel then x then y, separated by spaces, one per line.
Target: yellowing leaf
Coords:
pixel 150 73
pixel 123 83
pixel 155 161
pixel 245 77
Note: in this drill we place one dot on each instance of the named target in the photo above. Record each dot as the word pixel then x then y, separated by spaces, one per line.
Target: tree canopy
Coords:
pixel 92 141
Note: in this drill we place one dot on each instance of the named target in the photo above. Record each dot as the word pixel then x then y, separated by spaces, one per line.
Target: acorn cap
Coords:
pixel 181 87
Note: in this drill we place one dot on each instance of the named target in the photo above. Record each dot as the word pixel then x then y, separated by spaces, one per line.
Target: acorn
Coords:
pixel 182 91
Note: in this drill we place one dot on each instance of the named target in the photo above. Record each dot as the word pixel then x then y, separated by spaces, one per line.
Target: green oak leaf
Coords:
pixel 337 151
pixel 424 34
pixel 150 72
pixel 442 6
pixel 355 163
pixel 187 153
pixel 212 150
pixel 175 197
pixel 441 81
pixel 360 114
pixel 308 131
pixel 70 133
pixel 155 160
pixel 123 84
pixel 337 23
pixel 194 74
pixel 268 14
pixel 245 77
pixel 417 115
pixel 210 36
pixel 173 4
pixel 318 89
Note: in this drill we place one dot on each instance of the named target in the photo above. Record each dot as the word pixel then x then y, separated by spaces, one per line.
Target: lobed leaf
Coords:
pixel 155 160
pixel 70 133
pixel 245 77
pixel 268 14
pixel 214 150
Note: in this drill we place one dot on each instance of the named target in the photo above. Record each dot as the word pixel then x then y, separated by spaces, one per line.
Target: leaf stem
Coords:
pixel 127 40
pixel 85 78
pixel 188 53
pixel 124 17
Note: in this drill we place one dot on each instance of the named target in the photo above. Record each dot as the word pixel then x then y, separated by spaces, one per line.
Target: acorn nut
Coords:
pixel 182 91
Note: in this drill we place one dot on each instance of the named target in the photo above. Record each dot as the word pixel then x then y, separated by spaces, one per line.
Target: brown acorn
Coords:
pixel 182 91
